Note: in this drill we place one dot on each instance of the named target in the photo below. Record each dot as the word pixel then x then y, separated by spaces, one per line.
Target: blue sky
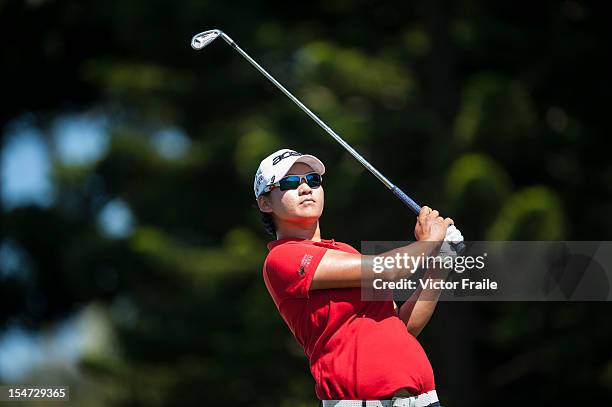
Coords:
pixel 25 168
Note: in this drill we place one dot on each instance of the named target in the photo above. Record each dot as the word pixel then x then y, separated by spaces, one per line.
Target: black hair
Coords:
pixel 268 223
pixel 267 220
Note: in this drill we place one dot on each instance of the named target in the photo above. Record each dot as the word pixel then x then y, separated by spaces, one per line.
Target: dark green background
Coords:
pixel 495 113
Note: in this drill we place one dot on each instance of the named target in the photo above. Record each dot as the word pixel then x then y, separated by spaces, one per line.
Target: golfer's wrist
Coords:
pixel 432 245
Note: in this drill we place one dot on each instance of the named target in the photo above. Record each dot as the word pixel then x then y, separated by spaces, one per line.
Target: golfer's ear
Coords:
pixel 264 204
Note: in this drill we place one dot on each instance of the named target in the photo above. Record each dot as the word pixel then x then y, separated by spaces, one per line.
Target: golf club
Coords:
pixel 202 39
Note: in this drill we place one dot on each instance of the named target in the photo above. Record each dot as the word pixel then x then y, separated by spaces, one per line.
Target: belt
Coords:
pixel 422 400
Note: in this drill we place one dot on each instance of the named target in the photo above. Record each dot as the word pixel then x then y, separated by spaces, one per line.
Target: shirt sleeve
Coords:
pixel 347 248
pixel 289 269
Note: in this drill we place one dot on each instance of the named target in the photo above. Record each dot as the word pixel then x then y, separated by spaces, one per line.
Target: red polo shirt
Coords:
pixel 358 350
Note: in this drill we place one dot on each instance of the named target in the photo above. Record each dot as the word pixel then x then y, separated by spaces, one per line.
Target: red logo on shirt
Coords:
pixel 304 263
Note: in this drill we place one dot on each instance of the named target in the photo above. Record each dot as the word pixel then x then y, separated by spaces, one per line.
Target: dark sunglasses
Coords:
pixel 313 180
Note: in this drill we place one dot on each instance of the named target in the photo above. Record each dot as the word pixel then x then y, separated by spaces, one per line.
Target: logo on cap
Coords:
pixel 284 155
pixel 259 178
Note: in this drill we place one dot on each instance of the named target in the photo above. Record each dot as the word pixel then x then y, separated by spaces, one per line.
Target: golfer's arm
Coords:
pixel 417 311
pixel 339 269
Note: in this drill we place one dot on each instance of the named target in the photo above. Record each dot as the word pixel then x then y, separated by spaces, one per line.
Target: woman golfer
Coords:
pixel 358 350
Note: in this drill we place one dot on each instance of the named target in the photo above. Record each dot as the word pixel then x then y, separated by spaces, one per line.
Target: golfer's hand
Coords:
pixel 430 226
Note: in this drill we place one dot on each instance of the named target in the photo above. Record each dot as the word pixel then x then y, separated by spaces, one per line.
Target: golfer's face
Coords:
pixel 298 204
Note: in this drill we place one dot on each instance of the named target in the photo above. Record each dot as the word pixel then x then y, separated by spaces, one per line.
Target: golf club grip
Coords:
pixel 406 199
pixel 409 202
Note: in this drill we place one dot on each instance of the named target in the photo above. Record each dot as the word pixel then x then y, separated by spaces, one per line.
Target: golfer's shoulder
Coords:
pixel 282 252
pixel 287 245
pixel 285 252
pixel 316 246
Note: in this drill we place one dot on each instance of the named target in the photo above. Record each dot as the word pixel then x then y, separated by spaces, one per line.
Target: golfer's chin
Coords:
pixel 307 216
pixel 309 210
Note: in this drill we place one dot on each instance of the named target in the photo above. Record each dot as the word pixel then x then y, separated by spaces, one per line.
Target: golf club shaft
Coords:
pixel 313 116
pixel 460 247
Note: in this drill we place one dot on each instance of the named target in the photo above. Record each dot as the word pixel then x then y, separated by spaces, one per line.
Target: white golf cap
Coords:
pixel 276 165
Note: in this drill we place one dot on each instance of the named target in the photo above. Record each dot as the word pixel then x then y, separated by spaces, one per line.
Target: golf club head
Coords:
pixel 202 39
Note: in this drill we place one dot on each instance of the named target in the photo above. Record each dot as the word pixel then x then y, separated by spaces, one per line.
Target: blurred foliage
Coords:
pixel 531 214
pixel 494 113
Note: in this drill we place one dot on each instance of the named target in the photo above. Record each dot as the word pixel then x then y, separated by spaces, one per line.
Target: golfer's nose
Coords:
pixel 304 188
